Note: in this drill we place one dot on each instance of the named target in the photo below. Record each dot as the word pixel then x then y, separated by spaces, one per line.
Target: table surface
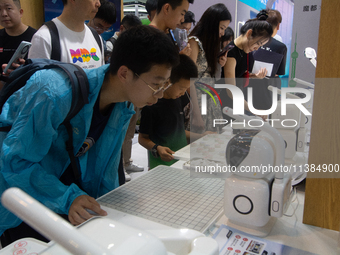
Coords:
pixel 287 230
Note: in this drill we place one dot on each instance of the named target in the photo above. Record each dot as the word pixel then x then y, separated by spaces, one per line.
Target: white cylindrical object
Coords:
pixel 279 92
pixel 308 84
pixel 48 223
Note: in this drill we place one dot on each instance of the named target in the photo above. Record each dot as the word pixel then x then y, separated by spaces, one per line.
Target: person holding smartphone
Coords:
pixel 169 15
pixel 13 33
pixel 205 43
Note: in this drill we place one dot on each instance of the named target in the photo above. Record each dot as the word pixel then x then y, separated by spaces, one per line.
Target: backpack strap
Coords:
pixel 5 129
pixel 80 87
pixel 55 41
pixel 80 92
pixel 97 37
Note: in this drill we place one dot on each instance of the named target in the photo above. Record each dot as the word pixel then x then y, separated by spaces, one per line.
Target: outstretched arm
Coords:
pixel 165 153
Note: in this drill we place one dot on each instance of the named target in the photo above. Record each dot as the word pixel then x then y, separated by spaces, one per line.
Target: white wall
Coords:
pixel 306 34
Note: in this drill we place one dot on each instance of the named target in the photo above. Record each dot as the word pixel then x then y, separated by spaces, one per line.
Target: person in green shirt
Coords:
pixel 162 130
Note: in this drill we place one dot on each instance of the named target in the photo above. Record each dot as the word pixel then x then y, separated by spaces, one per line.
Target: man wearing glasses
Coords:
pixel 105 17
pixel 34 158
pixel 103 21
pixel 189 20
pixel 78 44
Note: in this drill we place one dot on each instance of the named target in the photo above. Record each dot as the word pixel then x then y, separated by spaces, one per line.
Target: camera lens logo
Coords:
pixel 204 99
pixel 24 50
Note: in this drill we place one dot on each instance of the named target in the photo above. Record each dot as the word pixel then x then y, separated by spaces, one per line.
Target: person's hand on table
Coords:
pixel 78 212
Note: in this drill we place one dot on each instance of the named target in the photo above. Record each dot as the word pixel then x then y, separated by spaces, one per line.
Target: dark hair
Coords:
pixel 107 12
pixel 142 47
pixel 207 31
pixel 259 26
pixel 64 2
pixel 173 3
pixel 130 21
pixel 274 18
pixel 228 35
pixel 151 5
pixel 189 17
pixel 186 69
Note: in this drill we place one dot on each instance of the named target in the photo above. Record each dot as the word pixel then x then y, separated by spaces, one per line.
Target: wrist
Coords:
pixel 154 151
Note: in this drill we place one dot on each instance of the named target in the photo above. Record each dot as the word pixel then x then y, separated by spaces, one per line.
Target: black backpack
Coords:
pixel 55 41
pixel 80 91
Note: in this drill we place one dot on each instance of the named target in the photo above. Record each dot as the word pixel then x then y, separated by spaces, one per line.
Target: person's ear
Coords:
pixel 124 74
pixel 249 33
pixel 166 8
pixel 21 11
pixel 278 27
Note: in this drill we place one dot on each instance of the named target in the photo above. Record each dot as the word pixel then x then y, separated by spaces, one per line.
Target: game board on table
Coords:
pixel 171 197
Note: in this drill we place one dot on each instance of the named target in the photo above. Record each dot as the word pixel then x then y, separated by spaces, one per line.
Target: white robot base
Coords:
pixel 253 205
pixel 252 230
pixel 246 203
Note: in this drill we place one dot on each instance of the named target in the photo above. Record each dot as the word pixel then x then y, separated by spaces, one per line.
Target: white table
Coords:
pixel 292 232
pixel 288 230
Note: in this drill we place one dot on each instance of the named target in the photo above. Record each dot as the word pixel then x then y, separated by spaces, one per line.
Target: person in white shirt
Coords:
pixel 77 42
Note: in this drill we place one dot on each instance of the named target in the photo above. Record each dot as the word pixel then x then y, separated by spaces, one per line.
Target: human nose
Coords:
pixel 3 13
pixel 182 19
pixel 256 48
pixel 98 3
pixel 159 94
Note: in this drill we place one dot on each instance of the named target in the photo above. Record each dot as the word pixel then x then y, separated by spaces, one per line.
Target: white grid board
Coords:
pixel 169 196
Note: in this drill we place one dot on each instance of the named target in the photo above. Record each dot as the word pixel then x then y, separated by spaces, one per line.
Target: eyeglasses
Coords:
pixel 159 90
pixel 99 27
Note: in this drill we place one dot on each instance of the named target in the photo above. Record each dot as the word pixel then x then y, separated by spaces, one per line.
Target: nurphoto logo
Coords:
pixel 238 105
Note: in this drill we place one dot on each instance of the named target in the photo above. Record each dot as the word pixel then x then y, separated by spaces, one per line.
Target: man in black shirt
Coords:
pixel 14 31
pixel 275 19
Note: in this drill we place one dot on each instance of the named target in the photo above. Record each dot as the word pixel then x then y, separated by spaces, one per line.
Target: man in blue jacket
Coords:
pixel 33 155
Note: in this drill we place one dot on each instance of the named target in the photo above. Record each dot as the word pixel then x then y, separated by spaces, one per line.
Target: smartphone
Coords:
pixel 225 49
pixel 182 39
pixel 20 52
